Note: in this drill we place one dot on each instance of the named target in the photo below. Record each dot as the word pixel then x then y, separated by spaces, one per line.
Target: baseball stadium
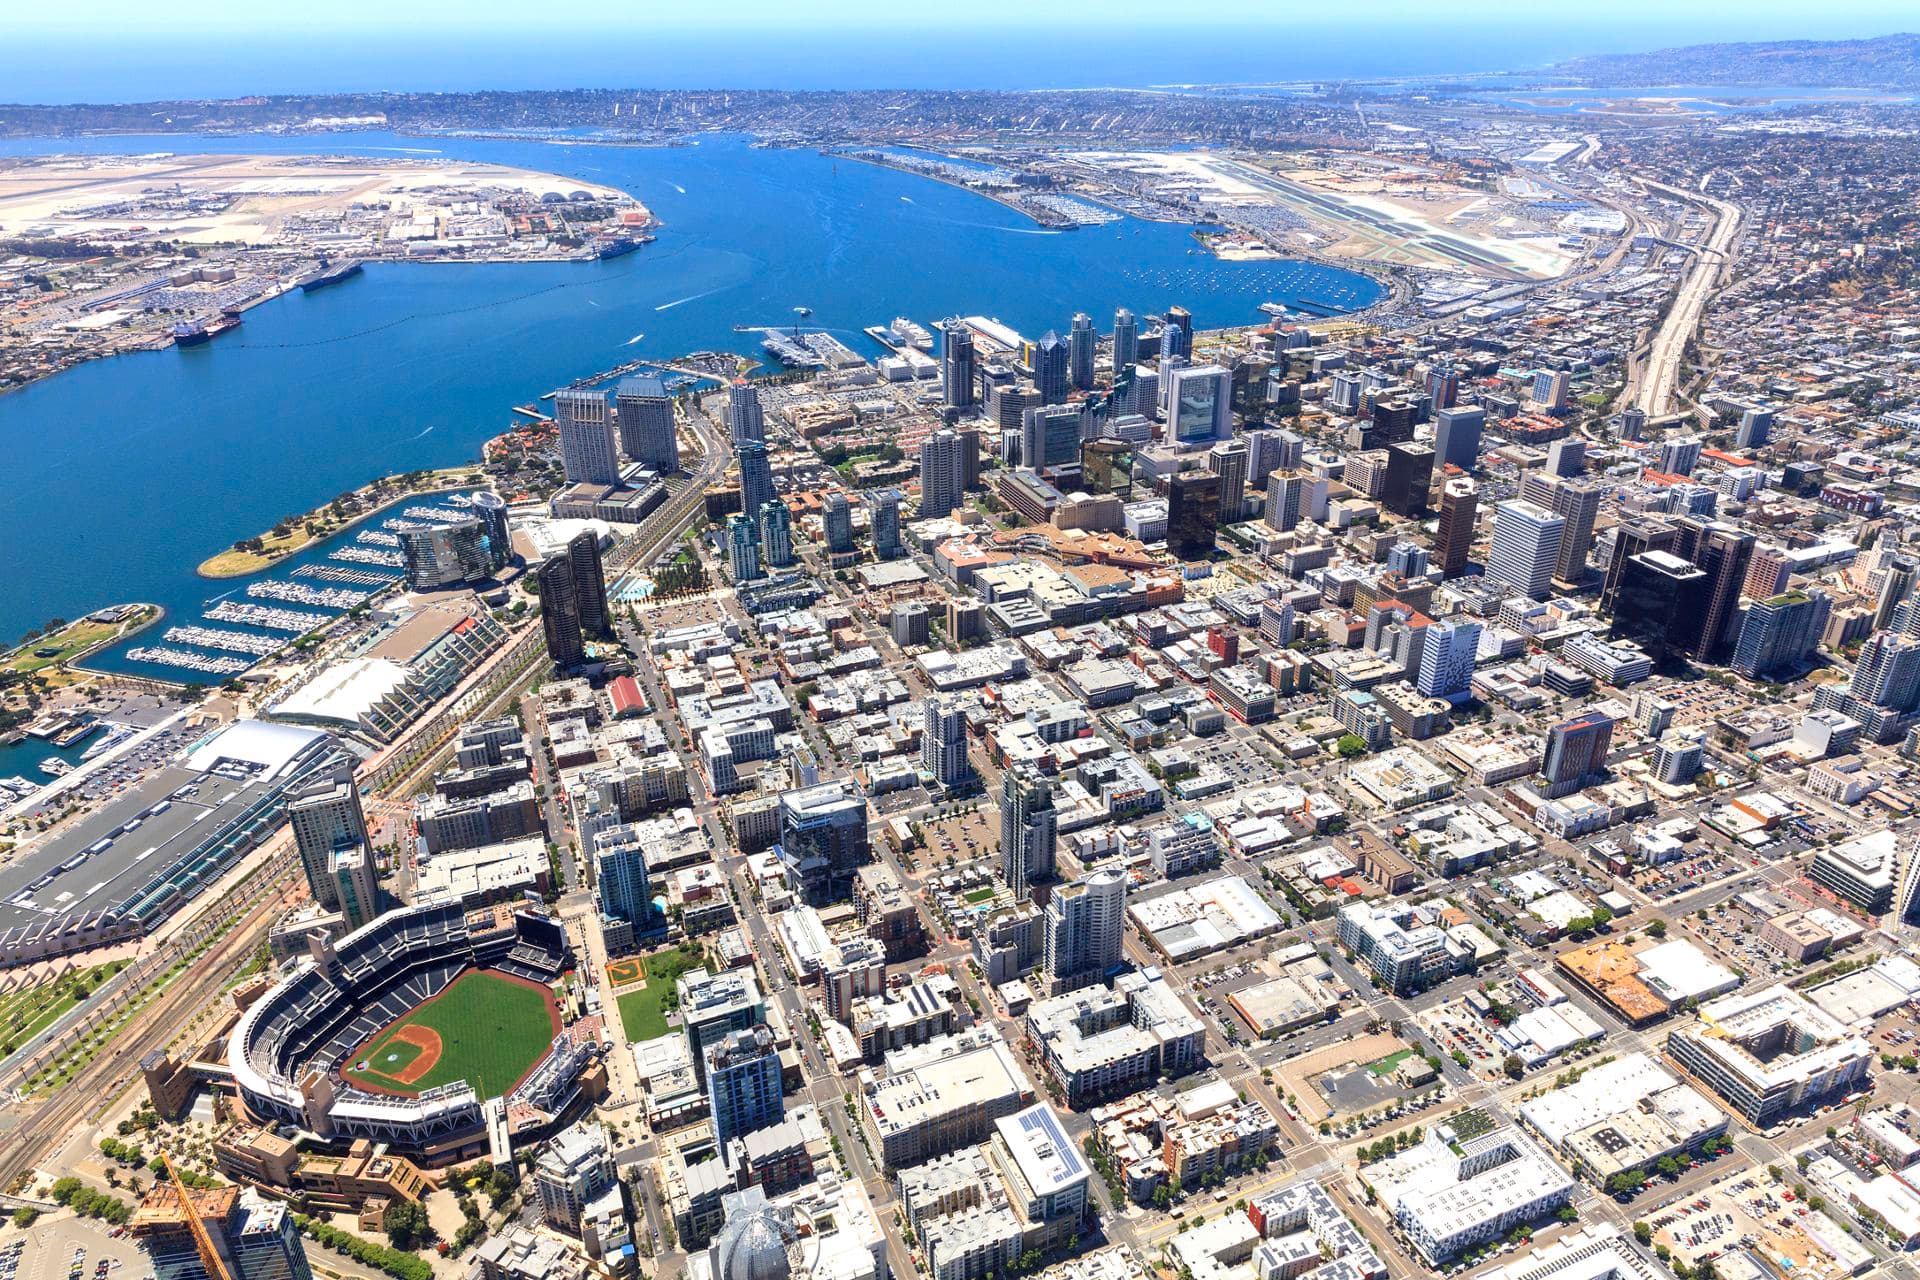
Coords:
pixel 433 1030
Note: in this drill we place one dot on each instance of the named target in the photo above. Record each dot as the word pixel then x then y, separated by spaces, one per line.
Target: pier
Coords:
pixel 301 593
pixel 369 555
pixel 435 515
pixel 374 538
pixel 353 577
pixel 215 638
pixel 297 621
pixel 204 663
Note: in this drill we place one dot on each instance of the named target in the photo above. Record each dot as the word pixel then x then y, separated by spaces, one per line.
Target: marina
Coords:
pixel 300 593
pixel 234 641
pixel 374 538
pixel 163 656
pixel 258 615
pixel 434 515
pixel 353 577
pixel 369 555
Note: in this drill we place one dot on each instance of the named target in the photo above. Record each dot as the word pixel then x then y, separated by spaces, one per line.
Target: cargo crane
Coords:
pixel 209 1256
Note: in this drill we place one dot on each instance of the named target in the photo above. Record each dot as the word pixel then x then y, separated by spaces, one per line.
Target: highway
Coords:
pixel 1660 375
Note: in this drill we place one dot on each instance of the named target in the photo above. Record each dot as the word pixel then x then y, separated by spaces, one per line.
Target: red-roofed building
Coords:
pixel 626 697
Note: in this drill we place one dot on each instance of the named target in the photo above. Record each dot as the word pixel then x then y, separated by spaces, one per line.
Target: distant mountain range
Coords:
pixel 1883 62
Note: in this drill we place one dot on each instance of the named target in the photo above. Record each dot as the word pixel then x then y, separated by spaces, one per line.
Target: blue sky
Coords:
pixel 140 51
pixel 102 18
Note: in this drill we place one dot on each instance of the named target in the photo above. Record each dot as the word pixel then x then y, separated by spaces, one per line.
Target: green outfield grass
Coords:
pixel 492 1030
pixel 643 1012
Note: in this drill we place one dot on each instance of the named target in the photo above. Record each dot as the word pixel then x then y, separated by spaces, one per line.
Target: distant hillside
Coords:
pixel 1884 62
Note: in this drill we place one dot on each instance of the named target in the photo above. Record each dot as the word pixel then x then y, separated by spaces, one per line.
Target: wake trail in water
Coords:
pixel 692 297
pixel 677 187
pixel 428 431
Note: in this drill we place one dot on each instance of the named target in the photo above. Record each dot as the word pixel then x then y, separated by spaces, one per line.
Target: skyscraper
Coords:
pixel 1459 507
pixel 326 818
pixel 1126 342
pixel 253 1238
pixel 743 1085
pixel 836 518
pixel 1897 575
pixel 1576 501
pixel 957 365
pixel 1630 540
pixel 1106 466
pixel 1723 552
pixel 1446 660
pixel 1228 460
pixel 823 839
pixel 1576 754
pixel 1780 633
pixel 1443 386
pixel 1085 928
pixel 943 741
pixel 1199 404
pixel 884 523
pixel 1756 425
pixel 1176 334
pixel 1567 457
pixel 1550 387
pixel 357 884
pixel 644 411
pixel 1050 367
pixel 743 548
pixel 621 878
pixel 756 477
pixel 1887 673
pixel 1526 547
pixel 942 474
pixel 745 418
pixel 1029 828
pixel 1193 514
pixel 1767 573
pixel 445 555
pixel 1080 343
pixel 776 535
pixel 560 612
pixel 588 451
pixel 1050 436
pixel 575 1168
pixel 590 584
pixel 1660 604
pixel 490 509
pixel 1409 473
pixel 1456 436
pixel 1286 496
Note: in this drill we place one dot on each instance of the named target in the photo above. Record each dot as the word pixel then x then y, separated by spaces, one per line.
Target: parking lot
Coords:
pixel 63 1246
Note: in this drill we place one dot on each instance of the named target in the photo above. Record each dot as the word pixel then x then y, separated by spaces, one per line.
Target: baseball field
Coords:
pixel 488 1029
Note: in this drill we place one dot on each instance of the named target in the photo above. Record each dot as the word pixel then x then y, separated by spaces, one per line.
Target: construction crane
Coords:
pixel 209 1256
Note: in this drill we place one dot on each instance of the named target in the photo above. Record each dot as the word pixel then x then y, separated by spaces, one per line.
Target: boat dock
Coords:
pixel 374 538
pixel 259 615
pixel 368 555
pixel 352 577
pixel 301 593
pixel 215 638
pixel 160 655
pixel 435 515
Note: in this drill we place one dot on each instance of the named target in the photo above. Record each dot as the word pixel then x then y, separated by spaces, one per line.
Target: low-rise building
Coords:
pixel 1449 1194
pixel 1102 1042
pixel 1769 1052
